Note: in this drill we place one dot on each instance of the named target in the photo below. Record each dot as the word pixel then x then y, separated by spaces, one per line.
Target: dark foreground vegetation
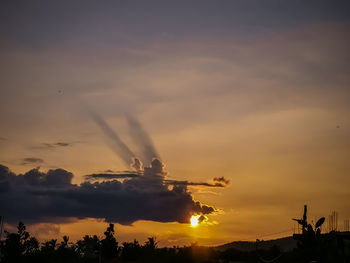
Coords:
pixel 20 247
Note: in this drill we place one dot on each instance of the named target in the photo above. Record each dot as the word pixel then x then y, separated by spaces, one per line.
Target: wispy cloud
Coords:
pixel 112 175
pixel 57 144
pixel 142 140
pixel 32 160
pixel 118 146
pixel 222 180
pixel 215 183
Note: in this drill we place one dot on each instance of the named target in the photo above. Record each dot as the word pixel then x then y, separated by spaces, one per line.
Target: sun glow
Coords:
pixel 194 221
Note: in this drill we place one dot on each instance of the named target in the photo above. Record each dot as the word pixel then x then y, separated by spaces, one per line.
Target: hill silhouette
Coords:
pixel 285 244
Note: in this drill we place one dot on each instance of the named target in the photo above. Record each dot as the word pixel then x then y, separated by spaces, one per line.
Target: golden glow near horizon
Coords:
pixel 267 112
pixel 194 221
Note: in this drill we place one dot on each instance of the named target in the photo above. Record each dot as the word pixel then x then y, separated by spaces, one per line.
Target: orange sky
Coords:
pixel 267 110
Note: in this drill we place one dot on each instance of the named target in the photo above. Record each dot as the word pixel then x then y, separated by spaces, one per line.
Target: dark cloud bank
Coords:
pixel 122 197
pixel 46 197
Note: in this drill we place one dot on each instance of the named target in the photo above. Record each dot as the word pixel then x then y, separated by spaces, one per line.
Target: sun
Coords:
pixel 194 221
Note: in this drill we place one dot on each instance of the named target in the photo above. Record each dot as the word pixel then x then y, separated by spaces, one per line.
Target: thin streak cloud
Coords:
pixel 142 139
pixel 189 183
pixel 121 175
pixel 32 160
pixel 119 147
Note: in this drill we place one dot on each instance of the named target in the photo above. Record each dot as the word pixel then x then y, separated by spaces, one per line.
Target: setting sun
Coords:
pixel 194 221
pixel 174 131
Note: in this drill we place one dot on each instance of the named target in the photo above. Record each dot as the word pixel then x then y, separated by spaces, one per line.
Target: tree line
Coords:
pixel 21 247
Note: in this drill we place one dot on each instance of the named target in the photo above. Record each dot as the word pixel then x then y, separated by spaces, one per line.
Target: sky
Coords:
pixel 244 105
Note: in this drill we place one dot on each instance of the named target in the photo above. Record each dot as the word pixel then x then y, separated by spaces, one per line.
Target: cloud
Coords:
pixel 32 160
pixel 137 165
pixel 119 147
pixel 202 218
pixel 138 135
pixel 37 197
pixel 142 140
pixel 62 144
pixel 221 180
pixel 112 175
pixel 156 166
pixel 57 144
pixel 217 182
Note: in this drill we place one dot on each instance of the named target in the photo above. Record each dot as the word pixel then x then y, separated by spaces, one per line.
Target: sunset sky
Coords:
pixel 256 92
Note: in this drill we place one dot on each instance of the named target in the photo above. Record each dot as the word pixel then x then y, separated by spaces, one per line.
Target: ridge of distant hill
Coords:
pixel 285 244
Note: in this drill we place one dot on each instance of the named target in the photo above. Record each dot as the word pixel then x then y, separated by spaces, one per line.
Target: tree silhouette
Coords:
pixel 89 248
pixel 131 250
pixel 17 245
pixel 151 244
pixel 109 245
